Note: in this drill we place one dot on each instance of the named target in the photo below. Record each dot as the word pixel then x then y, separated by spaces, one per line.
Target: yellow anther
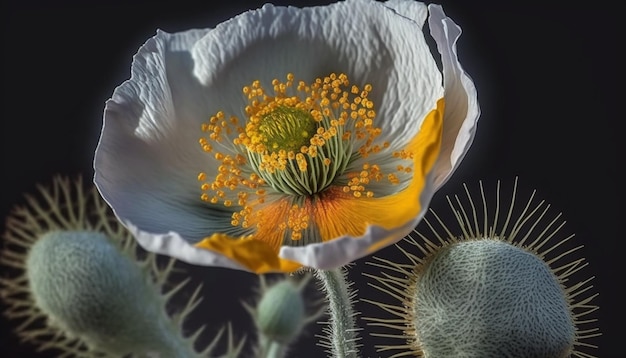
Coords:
pixel 292 130
pixel 393 178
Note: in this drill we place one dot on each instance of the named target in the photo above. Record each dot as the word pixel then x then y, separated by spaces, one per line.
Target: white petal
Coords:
pixel 414 10
pixel 338 252
pixel 148 156
pixel 366 40
pixel 462 110
pixel 171 244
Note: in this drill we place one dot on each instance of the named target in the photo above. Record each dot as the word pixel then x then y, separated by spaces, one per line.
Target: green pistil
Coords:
pixel 318 175
pixel 287 128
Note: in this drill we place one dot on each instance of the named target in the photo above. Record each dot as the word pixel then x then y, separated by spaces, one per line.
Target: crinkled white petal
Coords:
pixel 414 10
pixel 148 155
pixel 173 245
pixel 462 110
pixel 366 40
pixel 346 249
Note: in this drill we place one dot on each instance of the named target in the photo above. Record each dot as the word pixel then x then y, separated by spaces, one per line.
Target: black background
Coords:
pixel 549 81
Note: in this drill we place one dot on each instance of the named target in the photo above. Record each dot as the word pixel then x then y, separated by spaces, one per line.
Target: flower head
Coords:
pixel 287 137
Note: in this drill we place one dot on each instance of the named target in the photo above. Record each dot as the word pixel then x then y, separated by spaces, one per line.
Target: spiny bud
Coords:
pixel 75 282
pixel 90 290
pixel 498 288
pixel 488 298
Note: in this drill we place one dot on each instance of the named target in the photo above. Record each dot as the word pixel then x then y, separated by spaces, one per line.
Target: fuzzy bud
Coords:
pixel 90 290
pixel 488 298
pixel 281 312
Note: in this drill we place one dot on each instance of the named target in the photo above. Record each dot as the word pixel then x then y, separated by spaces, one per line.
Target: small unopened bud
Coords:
pixel 281 312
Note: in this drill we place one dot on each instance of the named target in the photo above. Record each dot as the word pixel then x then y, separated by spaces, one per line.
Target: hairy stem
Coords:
pixel 342 332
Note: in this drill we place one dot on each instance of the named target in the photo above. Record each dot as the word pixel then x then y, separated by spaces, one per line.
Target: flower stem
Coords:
pixel 271 349
pixel 342 333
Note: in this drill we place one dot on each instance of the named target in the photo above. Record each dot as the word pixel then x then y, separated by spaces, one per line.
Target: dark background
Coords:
pixel 548 80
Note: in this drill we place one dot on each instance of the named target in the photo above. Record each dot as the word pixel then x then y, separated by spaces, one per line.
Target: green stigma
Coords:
pixel 287 128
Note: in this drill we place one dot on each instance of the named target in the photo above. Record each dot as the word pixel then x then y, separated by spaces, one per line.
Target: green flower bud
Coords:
pixel 91 291
pixel 281 312
pixel 496 288
pixel 280 316
pixel 75 282
pixel 488 298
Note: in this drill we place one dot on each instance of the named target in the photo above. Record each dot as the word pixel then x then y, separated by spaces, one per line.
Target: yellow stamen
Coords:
pixel 297 139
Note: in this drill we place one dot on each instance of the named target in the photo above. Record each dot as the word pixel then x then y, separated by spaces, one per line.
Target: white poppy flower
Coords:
pixel 287 137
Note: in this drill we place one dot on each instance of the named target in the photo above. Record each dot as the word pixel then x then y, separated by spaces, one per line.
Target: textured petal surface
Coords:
pixel 414 10
pixel 148 157
pixel 462 110
pixel 343 250
pixel 173 245
pixel 363 39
